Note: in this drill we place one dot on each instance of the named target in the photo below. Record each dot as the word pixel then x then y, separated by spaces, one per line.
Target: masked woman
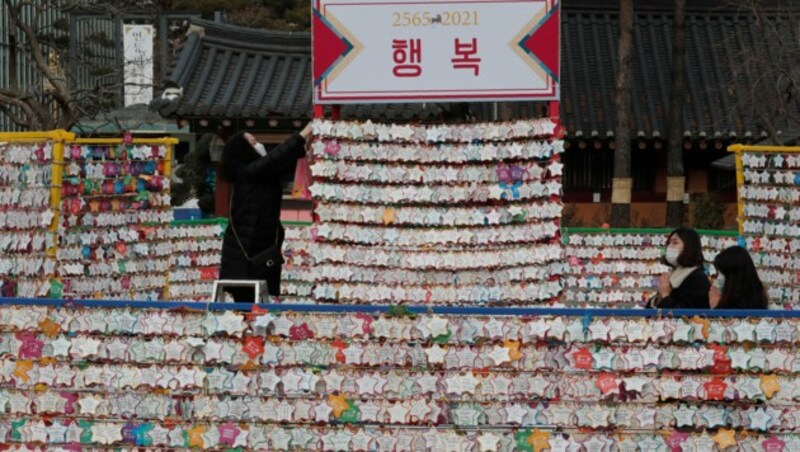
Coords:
pixel 737 285
pixel 686 286
pixel 251 247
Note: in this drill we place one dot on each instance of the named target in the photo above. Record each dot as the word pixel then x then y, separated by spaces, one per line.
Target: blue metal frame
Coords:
pixel 452 310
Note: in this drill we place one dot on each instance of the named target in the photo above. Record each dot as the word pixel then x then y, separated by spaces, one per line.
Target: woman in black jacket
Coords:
pixel 737 285
pixel 254 227
pixel 686 286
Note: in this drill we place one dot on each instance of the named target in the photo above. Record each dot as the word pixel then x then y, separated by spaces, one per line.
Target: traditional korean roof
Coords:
pixel 233 73
pixel 226 71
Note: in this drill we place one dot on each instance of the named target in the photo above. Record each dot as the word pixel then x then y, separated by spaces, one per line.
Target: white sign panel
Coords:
pixel 463 50
pixel 138 54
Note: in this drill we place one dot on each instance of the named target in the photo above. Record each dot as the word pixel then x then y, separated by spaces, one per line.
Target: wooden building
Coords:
pixel 228 78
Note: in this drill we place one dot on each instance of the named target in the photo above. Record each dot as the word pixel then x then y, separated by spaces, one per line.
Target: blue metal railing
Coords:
pixel 451 310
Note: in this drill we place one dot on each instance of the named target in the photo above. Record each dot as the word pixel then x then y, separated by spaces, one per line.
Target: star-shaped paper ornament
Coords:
pixel 684 416
pixel 607 383
pixel 488 442
pixel 515 413
pixel 398 413
pixel 776 359
pixel 496 192
pixel 759 419
pixel 739 359
pixel 750 387
pixel 555 168
pixel 774 444
pixel 725 438
pixel 61 346
pixel 744 331
pixel 322 412
pixel 280 439
pixel 158 435
pixel 49 327
pixel 361 440
pixel 513 347
pixel 493 217
pixel 366 384
pixel 389 216
pixel 500 355
pixel 262 322
pixel 559 443
pixel 253 346
pixel 195 435
pixel 338 404
pixel 540 440
pixel 516 212
pixel 770 385
pixel 228 433
pixel 419 410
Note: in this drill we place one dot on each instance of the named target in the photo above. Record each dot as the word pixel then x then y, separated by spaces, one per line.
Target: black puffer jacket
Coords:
pixel 255 206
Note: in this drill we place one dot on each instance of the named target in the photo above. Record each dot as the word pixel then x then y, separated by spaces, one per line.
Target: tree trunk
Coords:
pixel 622 183
pixel 13 80
pixel 676 180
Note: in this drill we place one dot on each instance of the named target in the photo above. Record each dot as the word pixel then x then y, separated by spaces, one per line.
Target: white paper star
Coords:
pixel 744 330
pixel 419 409
pixel 759 419
pixel 496 192
pixel 555 168
pixel 398 413
pixel 750 387
pixel 739 359
pixel 684 416
pixel 515 414
pixel 366 384
pixel 500 355
pixel 493 217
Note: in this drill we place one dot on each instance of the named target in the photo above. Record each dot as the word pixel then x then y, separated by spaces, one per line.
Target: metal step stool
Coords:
pixel 259 287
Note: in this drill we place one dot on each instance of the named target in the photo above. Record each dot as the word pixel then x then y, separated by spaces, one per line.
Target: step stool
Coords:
pixel 259 287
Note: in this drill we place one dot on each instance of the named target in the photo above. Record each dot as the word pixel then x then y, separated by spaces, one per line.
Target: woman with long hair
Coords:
pixel 737 285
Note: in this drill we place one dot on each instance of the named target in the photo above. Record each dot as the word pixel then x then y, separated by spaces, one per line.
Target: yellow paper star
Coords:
pixel 513 349
pixel 770 385
pixel 540 440
pixel 249 365
pixel 49 327
pixel 704 323
pixel 338 403
pixel 196 436
pixel 389 216
pixel 22 368
pixel 725 438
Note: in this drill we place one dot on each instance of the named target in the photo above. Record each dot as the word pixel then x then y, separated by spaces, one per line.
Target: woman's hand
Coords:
pixel 306 132
pixel 713 296
pixel 664 289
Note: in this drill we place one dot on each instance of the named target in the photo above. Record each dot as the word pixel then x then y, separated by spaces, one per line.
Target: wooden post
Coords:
pixel 622 183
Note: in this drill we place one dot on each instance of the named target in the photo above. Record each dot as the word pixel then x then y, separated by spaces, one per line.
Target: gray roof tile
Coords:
pixel 240 73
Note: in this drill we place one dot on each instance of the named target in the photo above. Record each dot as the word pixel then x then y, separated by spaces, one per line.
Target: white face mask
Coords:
pixel 672 255
pixel 719 283
pixel 260 149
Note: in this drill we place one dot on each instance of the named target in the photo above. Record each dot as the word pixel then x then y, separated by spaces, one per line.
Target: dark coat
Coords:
pixel 691 294
pixel 255 207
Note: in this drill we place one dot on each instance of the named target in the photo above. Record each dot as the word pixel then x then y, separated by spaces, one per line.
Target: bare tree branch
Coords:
pixel 769 66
